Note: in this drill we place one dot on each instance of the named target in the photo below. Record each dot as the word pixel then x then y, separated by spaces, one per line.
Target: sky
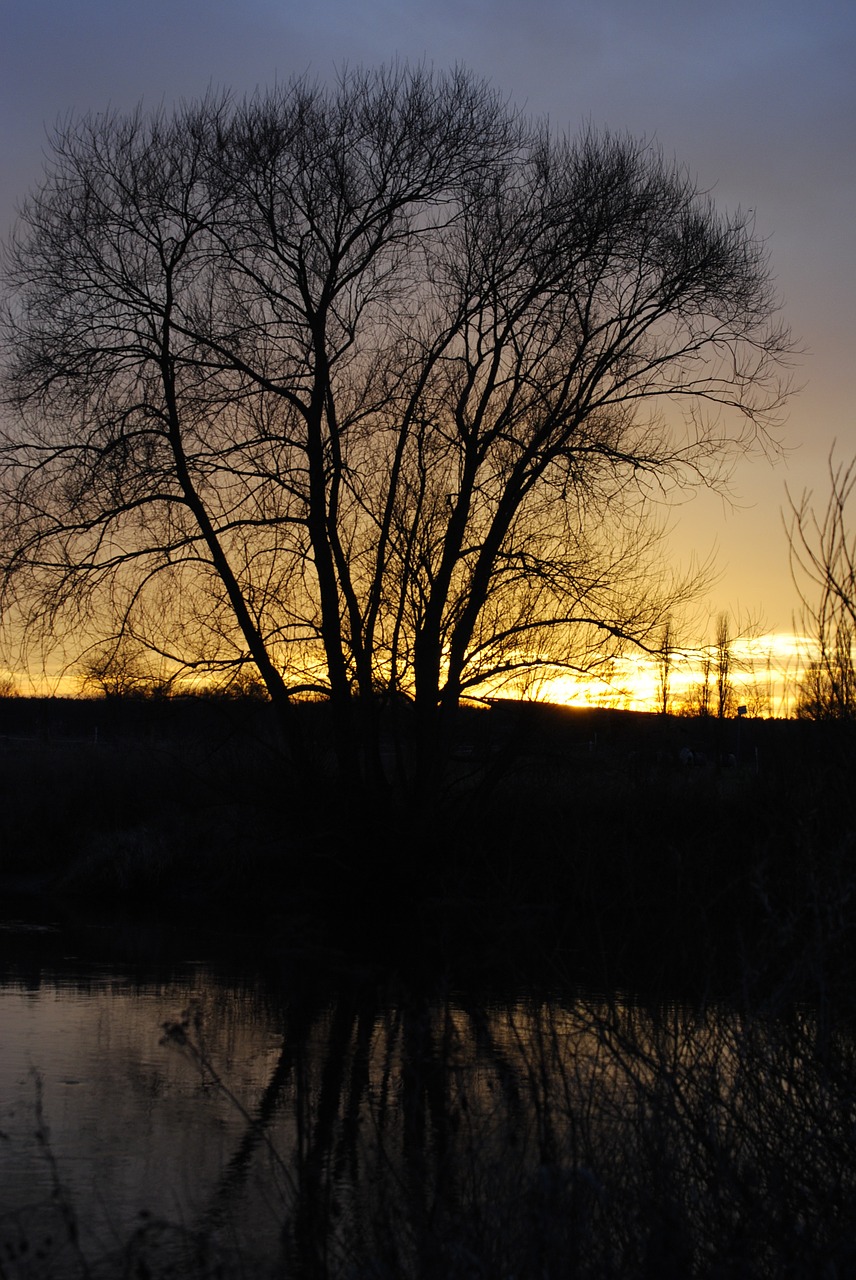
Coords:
pixel 757 99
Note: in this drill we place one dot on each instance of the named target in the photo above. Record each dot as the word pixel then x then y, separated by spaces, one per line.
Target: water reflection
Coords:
pixel 373 1130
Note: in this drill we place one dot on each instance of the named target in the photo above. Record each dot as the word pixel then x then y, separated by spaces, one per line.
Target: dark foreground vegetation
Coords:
pixel 464 1110
pixel 624 841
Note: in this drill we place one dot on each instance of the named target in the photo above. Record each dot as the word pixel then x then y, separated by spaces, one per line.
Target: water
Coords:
pixel 193 1118
pixel 102 1117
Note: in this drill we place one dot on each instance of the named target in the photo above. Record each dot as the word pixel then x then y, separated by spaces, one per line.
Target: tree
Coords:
pixel 665 663
pixel 119 669
pixel 823 567
pixel 8 685
pixel 698 700
pixel 364 385
pixel 723 666
pixel 727 669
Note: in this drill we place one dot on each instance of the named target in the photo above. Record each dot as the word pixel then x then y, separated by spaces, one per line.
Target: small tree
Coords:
pixel 665 662
pixel 755 688
pixel 823 567
pixel 722 665
pixel 827 687
pixel 699 698
pixel 118 669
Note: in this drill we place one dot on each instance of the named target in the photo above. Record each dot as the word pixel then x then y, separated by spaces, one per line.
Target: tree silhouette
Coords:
pixel 823 567
pixel 723 659
pixel 364 386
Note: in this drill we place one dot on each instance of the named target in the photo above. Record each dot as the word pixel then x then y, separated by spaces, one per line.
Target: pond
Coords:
pixel 197 1117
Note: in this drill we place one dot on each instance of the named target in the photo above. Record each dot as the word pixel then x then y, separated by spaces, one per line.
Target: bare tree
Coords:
pixel 665 663
pixel 823 567
pixel 727 669
pixel 8 685
pixel 698 700
pixel 723 666
pixel 119 669
pixel 754 690
pixel 362 386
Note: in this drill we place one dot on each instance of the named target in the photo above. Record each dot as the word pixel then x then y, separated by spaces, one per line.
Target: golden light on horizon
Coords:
pixel 764 675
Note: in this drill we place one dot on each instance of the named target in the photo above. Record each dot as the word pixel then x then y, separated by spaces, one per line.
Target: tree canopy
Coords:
pixel 373 386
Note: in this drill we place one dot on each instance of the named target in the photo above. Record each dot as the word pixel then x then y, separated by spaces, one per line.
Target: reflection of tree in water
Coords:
pixel 440 1137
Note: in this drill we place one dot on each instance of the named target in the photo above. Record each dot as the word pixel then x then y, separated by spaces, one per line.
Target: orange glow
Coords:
pixel 764 674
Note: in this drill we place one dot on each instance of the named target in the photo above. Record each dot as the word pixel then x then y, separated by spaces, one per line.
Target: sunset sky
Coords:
pixel 757 99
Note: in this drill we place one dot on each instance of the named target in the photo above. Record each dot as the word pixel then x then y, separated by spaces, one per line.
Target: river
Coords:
pixel 169 1111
